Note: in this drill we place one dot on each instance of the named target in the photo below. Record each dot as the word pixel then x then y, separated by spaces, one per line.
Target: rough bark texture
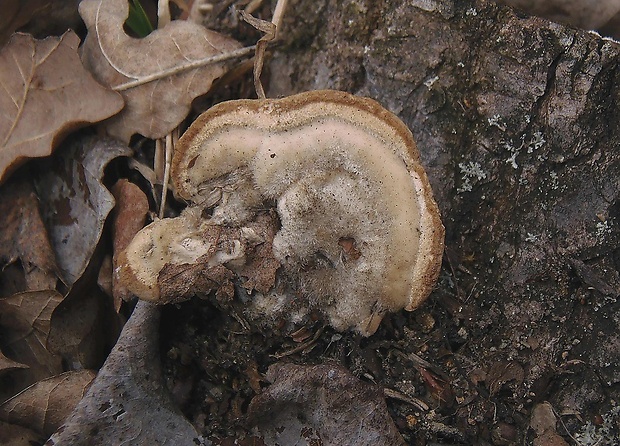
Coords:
pixel 516 119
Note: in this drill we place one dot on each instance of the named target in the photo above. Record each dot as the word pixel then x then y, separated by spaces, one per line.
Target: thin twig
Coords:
pixel 253 6
pixel 391 393
pixel 163 13
pixel 300 347
pixel 164 189
pixel 241 52
pixel 278 13
pixel 559 417
pixel 159 160
pixel 269 31
pixel 163 18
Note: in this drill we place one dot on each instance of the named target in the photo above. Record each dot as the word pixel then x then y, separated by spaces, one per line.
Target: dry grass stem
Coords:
pixel 163 13
pixel 278 13
pixel 168 158
pixel 270 30
pixel 241 52
pixel 159 160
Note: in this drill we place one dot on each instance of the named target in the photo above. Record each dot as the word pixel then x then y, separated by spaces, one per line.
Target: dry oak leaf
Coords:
pixel 7 364
pixel 321 404
pixel 45 94
pixel 24 240
pixel 14 435
pixel 43 406
pixel 153 108
pixel 74 202
pixel 25 322
pixel 130 213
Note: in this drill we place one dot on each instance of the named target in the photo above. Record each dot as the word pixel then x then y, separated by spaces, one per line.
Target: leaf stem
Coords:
pixel 185 67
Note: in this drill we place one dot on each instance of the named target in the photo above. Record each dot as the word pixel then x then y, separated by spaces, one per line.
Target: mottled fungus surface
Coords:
pixel 320 198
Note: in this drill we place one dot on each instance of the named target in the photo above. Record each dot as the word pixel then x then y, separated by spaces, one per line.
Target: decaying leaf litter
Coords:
pixel 220 351
pixel 55 208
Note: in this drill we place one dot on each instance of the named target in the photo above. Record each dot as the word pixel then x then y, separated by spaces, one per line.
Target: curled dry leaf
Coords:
pixel 156 107
pixel 24 239
pixel 325 404
pixel 43 406
pixel 74 203
pixel 130 212
pixel 45 94
pixel 127 401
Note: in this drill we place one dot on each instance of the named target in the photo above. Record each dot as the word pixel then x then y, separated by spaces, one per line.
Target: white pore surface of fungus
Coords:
pixel 359 232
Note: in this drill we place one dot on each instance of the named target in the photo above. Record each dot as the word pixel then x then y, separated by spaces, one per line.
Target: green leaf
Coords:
pixel 137 21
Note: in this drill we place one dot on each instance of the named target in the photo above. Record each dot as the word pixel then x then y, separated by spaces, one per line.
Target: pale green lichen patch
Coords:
pixel 472 173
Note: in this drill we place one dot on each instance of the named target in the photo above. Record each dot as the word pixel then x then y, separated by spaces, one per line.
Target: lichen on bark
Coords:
pixel 516 119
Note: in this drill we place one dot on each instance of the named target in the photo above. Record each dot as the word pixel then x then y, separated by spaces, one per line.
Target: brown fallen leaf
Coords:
pixel 16 13
pixel 321 404
pixel 502 372
pixel 25 320
pixel 24 312
pixel 45 94
pixel 83 329
pixel 43 406
pixel 41 18
pixel 24 240
pixel 74 202
pixel 543 422
pixel 7 364
pixel 155 107
pixel 130 211
pixel 15 435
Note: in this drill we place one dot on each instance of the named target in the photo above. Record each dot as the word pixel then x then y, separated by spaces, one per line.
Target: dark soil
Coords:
pixel 516 121
pixel 214 367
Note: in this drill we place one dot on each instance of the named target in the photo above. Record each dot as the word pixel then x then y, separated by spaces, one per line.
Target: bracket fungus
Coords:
pixel 315 203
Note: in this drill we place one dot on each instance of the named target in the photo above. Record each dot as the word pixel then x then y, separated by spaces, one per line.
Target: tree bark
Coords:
pixel 516 119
